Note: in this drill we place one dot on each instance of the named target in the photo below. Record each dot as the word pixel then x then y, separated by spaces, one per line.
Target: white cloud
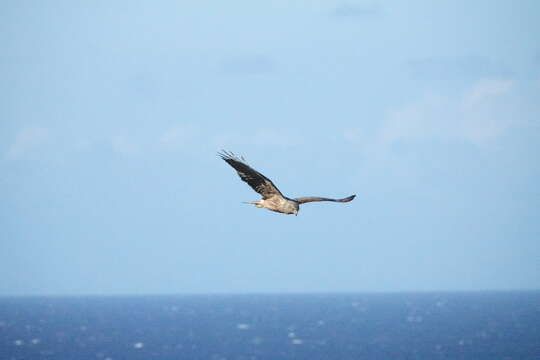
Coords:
pixel 273 137
pixel 353 135
pixel 257 137
pixel 486 90
pixel 357 10
pixel 28 140
pixel 423 119
pixel 178 136
pixel 479 115
pixel 249 65
pixel 123 145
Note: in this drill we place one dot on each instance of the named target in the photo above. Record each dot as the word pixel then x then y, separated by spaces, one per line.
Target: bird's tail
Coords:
pixel 256 203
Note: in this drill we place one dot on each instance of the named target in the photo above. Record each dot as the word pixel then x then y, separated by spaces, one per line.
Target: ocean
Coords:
pixel 424 326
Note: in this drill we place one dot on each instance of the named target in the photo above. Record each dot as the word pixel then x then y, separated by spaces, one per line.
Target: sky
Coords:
pixel 111 115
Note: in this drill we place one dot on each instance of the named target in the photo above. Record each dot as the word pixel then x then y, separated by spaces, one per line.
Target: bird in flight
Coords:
pixel 272 198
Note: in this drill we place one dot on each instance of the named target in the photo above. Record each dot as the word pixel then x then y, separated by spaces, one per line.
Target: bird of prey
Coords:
pixel 272 198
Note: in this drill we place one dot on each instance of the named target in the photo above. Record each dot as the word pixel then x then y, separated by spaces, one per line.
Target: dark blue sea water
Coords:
pixel 493 325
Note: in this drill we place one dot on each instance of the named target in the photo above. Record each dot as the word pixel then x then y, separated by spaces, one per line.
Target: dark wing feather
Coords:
pixel 253 178
pixel 306 199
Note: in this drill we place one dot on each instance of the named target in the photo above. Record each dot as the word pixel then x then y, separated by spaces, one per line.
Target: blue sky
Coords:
pixel 112 114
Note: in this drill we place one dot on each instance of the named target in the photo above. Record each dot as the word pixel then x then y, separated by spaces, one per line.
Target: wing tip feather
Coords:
pixel 348 198
pixel 229 155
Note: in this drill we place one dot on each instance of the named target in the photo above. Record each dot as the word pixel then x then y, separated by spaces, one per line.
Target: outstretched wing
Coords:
pixel 255 179
pixel 306 199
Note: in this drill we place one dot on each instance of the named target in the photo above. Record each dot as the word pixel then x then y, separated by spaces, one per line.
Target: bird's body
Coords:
pixel 272 198
pixel 279 204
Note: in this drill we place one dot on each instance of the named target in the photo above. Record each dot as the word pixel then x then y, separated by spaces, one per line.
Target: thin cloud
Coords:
pixel 273 137
pixel 486 90
pixel 354 135
pixel 257 137
pixel 248 65
pixel 123 145
pixel 463 67
pixel 27 141
pixel 356 10
pixel 178 136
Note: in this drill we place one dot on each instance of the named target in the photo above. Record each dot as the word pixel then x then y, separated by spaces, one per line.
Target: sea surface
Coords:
pixel 430 326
